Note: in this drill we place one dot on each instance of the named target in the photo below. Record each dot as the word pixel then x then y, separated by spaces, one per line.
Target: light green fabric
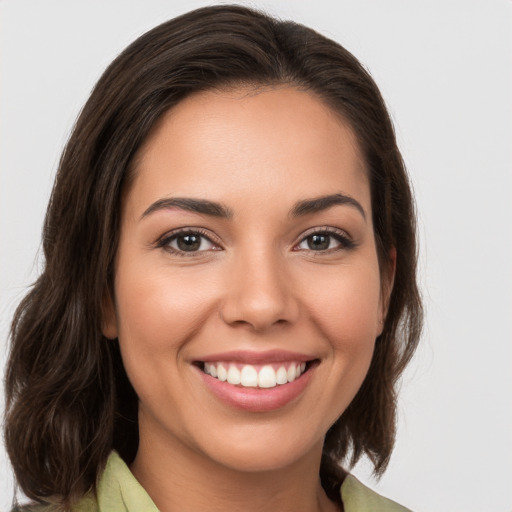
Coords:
pixel 119 491
pixel 356 497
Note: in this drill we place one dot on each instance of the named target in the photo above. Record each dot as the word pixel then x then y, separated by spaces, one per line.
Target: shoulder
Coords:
pixel 356 497
pixel 86 504
pixel 117 490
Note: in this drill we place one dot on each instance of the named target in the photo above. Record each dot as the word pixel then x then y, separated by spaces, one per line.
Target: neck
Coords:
pixel 178 478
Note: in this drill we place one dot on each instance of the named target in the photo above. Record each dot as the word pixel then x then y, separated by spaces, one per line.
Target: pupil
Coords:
pixel 318 242
pixel 189 242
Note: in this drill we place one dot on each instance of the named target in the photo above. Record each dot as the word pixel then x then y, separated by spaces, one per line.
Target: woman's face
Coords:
pixel 246 254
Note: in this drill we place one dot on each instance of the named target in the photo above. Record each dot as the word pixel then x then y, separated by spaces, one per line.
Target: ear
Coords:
pixel 387 282
pixel 108 316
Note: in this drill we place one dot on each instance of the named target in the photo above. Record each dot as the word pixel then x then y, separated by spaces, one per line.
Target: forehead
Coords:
pixel 252 141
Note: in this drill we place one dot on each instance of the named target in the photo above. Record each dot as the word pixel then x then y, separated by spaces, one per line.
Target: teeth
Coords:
pixel 267 376
pixel 233 375
pixel 248 376
pixel 222 373
pixel 282 375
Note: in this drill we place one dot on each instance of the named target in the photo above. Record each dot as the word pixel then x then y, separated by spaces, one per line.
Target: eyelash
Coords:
pixel 166 240
pixel 346 243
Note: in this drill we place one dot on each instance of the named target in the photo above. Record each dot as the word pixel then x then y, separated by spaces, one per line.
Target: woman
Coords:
pixel 229 293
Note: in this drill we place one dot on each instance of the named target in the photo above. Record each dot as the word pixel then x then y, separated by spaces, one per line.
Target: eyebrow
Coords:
pixel 202 206
pixel 318 204
pixel 214 209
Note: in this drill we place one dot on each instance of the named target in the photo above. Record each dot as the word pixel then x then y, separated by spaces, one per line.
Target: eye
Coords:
pixel 325 241
pixel 189 241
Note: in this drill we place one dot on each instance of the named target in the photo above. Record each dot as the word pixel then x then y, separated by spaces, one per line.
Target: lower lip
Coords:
pixel 257 399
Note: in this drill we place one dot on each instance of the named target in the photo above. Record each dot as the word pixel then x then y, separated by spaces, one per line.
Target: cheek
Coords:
pixel 346 306
pixel 345 309
pixel 157 314
pixel 155 308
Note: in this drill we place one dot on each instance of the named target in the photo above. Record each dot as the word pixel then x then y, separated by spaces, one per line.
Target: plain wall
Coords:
pixel 445 70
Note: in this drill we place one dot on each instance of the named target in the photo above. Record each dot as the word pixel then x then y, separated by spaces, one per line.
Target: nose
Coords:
pixel 259 293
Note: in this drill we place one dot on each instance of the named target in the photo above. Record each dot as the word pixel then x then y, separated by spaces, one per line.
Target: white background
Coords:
pixel 445 69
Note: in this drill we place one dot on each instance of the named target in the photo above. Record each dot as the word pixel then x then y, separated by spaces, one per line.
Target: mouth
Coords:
pixel 257 381
pixel 263 376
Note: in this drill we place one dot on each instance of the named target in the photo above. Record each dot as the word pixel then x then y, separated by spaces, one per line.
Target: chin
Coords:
pixel 257 450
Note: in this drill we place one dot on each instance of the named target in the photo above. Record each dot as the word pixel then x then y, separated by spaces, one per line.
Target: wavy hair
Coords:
pixel 68 399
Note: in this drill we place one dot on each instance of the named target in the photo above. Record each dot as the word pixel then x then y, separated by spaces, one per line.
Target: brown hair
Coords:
pixel 68 400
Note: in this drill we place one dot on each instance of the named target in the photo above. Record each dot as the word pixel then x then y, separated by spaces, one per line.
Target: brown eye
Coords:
pixel 188 242
pixel 318 242
pixel 326 241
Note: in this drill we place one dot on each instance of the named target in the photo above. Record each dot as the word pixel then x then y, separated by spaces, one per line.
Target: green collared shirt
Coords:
pixel 119 491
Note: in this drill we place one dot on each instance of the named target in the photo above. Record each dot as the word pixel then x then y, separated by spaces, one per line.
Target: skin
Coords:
pixel 255 285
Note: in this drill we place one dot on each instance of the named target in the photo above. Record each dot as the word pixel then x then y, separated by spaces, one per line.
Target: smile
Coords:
pixel 255 376
pixel 257 381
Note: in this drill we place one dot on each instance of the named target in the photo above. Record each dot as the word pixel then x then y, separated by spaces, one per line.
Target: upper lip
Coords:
pixel 252 357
